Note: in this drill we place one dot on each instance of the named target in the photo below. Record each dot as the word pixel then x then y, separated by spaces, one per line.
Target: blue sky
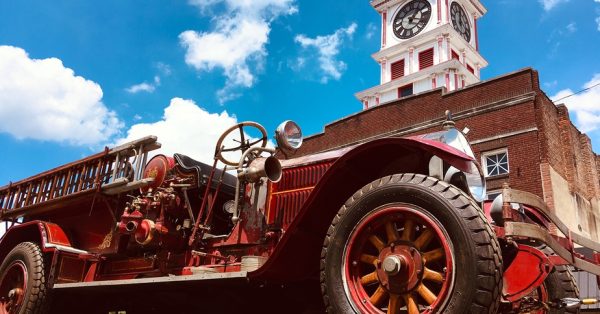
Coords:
pixel 78 75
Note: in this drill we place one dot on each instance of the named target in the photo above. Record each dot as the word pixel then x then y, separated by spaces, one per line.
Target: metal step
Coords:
pixel 207 278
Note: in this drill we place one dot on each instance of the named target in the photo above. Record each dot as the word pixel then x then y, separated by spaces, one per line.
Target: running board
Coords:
pixel 171 280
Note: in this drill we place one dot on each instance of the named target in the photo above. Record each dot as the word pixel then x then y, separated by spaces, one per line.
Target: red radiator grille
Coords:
pixel 289 194
pixel 287 205
pixel 302 177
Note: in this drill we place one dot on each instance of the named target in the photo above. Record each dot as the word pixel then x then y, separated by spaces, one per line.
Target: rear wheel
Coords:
pixel 410 244
pixel 22 280
pixel 560 284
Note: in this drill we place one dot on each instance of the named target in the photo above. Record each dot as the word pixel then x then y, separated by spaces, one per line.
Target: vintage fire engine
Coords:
pixel 391 225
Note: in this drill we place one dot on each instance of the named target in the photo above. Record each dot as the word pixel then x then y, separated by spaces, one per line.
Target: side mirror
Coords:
pixel 289 135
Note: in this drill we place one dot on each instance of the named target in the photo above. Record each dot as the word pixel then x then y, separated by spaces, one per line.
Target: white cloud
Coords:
pixel 44 100
pixel 598 21
pixel 571 27
pixel 237 43
pixel 585 106
pixel 371 30
pixel 144 87
pixel 185 128
pixel 550 4
pixel 328 48
pixel 191 130
pixel 164 68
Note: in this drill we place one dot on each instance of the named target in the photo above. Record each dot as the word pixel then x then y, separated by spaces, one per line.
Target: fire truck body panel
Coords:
pixel 318 200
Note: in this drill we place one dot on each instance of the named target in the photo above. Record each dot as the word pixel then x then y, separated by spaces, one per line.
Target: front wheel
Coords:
pixel 22 281
pixel 410 244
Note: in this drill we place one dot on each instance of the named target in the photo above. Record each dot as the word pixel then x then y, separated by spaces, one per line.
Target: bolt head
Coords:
pixel 392 265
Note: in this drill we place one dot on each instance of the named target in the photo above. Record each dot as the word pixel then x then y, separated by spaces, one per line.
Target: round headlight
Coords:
pixel 289 135
pixel 474 177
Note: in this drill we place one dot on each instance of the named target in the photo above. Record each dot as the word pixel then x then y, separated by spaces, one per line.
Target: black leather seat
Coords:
pixel 188 165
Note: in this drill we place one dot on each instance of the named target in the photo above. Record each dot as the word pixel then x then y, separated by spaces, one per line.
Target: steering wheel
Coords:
pixel 244 143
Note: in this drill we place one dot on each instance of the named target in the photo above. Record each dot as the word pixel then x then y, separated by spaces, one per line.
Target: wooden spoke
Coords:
pixel 409 230
pixel 433 275
pixel 427 295
pixel 392 232
pixel 378 296
pixel 411 305
pixel 424 239
pixel 369 279
pixel 434 255
pixel 377 242
pixel 368 259
pixel 394 305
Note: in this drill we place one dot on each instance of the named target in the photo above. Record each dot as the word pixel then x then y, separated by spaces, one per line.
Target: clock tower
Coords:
pixel 425 44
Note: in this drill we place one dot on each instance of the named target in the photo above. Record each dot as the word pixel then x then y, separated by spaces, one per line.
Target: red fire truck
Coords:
pixel 391 225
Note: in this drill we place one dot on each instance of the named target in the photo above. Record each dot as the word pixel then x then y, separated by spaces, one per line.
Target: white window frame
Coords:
pixel 484 165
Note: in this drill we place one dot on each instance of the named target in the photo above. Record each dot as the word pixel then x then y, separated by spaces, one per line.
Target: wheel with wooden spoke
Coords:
pixel 410 244
pixel 22 281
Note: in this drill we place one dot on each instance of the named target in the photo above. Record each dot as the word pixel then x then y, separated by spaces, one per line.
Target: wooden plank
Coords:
pixel 520 229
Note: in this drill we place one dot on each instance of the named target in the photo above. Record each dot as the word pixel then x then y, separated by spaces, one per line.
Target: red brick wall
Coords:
pixel 417 109
pixel 510 103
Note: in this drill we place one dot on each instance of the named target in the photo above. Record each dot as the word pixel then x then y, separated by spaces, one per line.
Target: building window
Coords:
pixel 470 68
pixel 455 55
pixel 397 69
pixel 495 163
pixel 425 59
pixel 405 90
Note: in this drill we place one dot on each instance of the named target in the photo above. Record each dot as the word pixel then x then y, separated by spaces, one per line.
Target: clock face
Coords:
pixel 412 18
pixel 460 21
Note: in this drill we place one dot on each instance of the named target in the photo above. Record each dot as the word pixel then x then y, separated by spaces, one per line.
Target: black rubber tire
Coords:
pixel 478 279
pixel 35 295
pixel 559 284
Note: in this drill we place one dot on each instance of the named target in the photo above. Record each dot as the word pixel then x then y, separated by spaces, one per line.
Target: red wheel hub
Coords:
pixel 12 288
pixel 400 268
pixel 398 259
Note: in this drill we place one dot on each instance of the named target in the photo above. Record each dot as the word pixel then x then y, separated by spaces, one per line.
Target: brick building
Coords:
pixel 519 135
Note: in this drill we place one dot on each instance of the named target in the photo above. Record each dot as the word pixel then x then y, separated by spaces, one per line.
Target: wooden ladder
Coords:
pixel 111 172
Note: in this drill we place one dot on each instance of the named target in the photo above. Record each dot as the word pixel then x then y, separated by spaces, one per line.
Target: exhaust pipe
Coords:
pixel 268 167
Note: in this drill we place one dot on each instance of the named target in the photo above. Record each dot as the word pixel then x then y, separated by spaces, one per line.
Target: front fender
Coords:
pixel 297 255
pixel 47 235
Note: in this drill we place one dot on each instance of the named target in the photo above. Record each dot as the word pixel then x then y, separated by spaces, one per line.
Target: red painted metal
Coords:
pixel 55 234
pixel 157 168
pixel 526 273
